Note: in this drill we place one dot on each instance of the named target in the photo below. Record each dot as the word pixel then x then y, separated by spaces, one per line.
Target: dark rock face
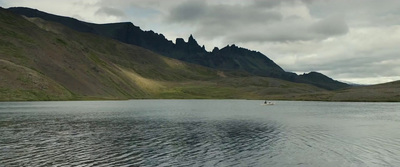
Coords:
pixel 228 58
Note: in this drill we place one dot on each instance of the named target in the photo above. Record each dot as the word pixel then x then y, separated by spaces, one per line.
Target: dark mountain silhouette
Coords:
pixel 229 58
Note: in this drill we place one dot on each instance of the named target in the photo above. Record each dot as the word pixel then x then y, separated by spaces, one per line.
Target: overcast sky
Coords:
pixel 349 40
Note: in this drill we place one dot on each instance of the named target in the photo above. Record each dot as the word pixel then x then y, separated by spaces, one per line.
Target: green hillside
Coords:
pixel 41 60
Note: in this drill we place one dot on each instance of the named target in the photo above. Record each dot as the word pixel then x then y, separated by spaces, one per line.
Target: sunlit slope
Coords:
pixel 41 60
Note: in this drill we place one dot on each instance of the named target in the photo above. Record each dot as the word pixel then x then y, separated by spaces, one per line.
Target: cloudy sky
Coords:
pixel 356 41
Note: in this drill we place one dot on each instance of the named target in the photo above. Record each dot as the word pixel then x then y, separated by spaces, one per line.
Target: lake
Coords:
pixel 199 133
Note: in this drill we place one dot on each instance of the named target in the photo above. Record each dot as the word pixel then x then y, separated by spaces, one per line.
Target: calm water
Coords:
pixel 199 133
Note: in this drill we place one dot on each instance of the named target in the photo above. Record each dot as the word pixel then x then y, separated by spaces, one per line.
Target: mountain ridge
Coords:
pixel 43 60
pixel 228 58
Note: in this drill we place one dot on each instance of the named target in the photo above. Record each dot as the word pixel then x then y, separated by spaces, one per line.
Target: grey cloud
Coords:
pixel 293 30
pixel 200 12
pixel 266 4
pixel 244 23
pixel 188 12
pixel 277 3
pixel 333 25
pixel 220 20
pixel 110 12
pixel 359 12
pixel 243 15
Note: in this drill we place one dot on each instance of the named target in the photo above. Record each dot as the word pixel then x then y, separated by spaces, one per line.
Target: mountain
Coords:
pixel 229 58
pixel 44 60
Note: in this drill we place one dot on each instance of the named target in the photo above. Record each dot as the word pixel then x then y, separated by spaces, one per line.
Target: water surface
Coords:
pixel 199 133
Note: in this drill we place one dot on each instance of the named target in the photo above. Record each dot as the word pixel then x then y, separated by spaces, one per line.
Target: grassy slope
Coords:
pixel 21 83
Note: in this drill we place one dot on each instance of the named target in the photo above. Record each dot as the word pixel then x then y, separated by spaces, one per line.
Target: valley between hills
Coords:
pixel 47 60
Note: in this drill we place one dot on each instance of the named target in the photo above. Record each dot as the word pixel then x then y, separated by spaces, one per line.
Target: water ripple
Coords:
pixel 178 138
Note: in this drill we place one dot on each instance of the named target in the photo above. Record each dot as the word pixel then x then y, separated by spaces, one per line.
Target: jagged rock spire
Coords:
pixel 192 41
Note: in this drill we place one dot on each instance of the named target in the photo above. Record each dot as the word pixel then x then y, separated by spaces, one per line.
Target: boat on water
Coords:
pixel 268 103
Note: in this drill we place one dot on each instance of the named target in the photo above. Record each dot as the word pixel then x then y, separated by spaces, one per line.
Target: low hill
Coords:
pixel 321 80
pixel 42 60
pixel 231 58
pixel 388 92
